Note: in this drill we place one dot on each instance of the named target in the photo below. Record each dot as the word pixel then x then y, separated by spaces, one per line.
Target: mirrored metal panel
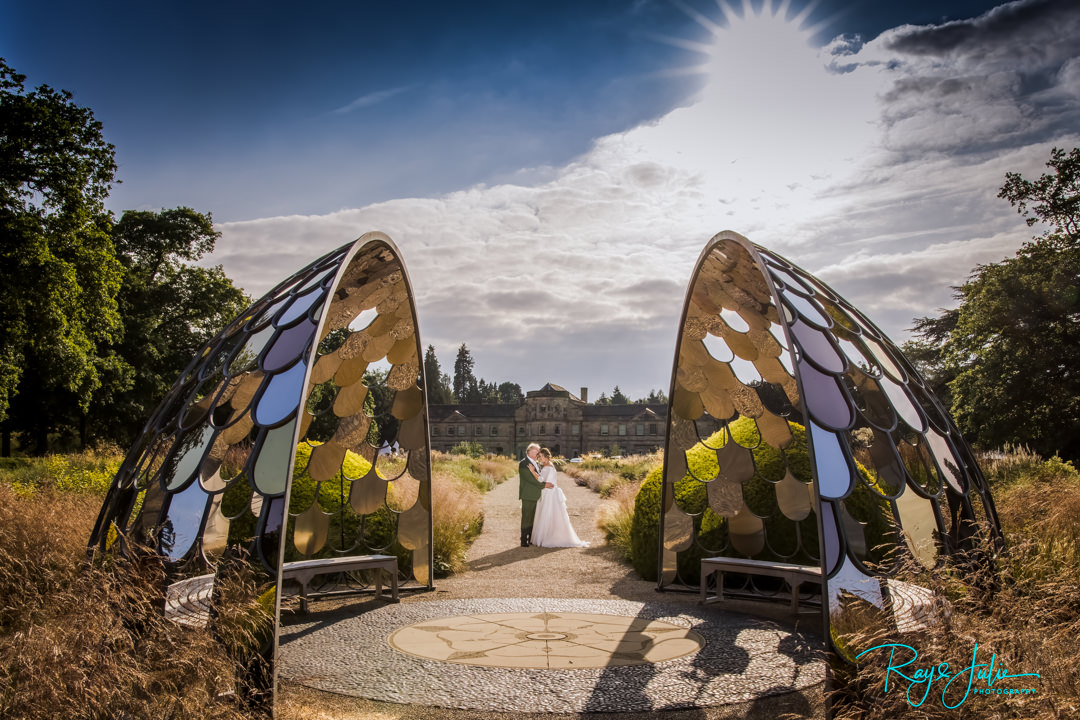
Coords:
pixel 832 453
pixel 297 440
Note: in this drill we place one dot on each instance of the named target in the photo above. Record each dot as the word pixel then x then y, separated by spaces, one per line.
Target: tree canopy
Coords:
pixel 97 318
pixel 58 273
pixel 1010 353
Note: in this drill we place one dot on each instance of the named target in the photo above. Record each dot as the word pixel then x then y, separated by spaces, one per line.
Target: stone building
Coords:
pixel 557 419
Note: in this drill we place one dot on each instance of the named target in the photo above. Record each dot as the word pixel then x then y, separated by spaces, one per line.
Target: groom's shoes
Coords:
pixel 525 538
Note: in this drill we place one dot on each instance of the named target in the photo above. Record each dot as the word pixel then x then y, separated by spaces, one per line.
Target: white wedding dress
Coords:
pixel 551 527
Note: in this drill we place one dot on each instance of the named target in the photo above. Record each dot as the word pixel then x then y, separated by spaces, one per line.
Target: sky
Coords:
pixel 551 170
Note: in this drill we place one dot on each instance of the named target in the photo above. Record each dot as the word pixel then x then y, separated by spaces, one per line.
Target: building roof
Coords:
pixel 657 410
pixel 472 411
pixel 552 390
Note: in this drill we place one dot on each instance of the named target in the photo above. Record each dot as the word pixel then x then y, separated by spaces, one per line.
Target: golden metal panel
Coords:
pixel 725 497
pixel 216 532
pixel 692 378
pixel 920 527
pixel 238 430
pixel 675 464
pixel 794 498
pixel 350 400
pixel 310 530
pixel 670 564
pixel 735 462
pixel 746 400
pixel 421 567
pixel 404 492
pixel 413 528
pixel 368 493
pixel 325 461
pixel 774 430
pixel 687 404
pixel 403 376
pixel 245 390
pixel 747 532
pixel 350 372
pixel 402 330
pixel 678 530
pixel 325 367
pixel 417 465
pixel 412 435
pixel 403 351
pixel 352 430
pixel 378 347
pixel 407 403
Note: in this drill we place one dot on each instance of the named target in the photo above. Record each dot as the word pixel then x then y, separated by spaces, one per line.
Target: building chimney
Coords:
pixel 585 394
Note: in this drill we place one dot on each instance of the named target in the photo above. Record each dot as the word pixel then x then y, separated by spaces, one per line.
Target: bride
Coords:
pixel 551 528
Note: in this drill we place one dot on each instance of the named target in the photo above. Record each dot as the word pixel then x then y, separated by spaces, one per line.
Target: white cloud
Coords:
pixel 372 98
pixel 881 178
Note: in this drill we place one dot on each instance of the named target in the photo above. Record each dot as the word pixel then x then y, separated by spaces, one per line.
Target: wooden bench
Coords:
pixel 794 575
pixel 304 571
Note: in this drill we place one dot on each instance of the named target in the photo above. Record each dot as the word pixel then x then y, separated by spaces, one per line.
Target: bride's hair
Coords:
pixel 545 452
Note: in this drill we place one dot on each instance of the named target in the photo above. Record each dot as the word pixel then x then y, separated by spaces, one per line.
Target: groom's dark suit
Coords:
pixel 529 489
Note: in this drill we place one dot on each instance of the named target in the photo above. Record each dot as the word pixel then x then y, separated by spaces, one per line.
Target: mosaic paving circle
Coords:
pixel 564 641
pixel 740 659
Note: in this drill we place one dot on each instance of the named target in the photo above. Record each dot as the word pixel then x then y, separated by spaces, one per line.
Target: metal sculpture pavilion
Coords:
pixel 271 455
pixel 832 458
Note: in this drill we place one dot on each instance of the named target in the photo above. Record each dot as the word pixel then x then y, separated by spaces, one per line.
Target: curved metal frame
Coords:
pixel 242 460
pixel 892 484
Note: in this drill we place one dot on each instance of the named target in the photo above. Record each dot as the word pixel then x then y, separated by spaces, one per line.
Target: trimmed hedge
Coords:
pixel 760 496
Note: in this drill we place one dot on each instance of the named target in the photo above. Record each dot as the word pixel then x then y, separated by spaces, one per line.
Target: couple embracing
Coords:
pixel 544 520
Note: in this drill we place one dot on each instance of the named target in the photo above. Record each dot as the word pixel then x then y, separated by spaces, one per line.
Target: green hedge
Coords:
pixel 760 496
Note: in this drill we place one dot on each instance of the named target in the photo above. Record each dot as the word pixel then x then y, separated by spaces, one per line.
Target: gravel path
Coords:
pixel 500 568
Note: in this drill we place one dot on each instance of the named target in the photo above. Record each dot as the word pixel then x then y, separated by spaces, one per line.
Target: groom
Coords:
pixel 529 491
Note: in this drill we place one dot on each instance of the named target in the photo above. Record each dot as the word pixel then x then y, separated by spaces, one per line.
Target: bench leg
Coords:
pixel 393 584
pixel 303 598
pixel 795 585
pixel 378 583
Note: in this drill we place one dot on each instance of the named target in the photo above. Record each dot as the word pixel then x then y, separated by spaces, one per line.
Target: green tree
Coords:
pixel 438 391
pixel 465 385
pixel 617 397
pixel 510 393
pixel 169 307
pixel 58 274
pixel 1011 359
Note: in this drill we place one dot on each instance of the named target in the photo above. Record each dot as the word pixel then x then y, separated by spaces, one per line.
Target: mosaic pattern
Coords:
pixel 744 659
pixel 271 447
pixel 557 641
pixel 888 485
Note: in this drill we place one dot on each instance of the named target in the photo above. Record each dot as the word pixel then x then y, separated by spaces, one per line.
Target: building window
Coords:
pixel 603 429
pixel 543 429
pixel 435 432
pixel 449 429
pixel 479 430
pixel 461 430
pixel 521 429
pixel 575 429
pixel 622 429
pixel 640 428
pixel 556 429
pixel 494 430
pixel 543 408
pixel 652 428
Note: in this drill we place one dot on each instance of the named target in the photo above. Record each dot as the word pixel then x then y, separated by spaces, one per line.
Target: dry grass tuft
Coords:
pixel 457 520
pixel 88 640
pixel 1025 609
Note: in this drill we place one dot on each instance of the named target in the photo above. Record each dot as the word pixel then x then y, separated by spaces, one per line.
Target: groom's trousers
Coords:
pixel 528 512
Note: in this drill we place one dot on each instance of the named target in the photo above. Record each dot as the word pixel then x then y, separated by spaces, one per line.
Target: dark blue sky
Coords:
pixel 250 109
